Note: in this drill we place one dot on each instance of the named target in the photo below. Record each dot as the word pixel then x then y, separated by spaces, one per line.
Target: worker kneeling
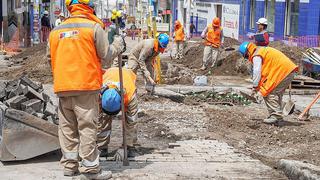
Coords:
pixel 272 74
pixel 111 106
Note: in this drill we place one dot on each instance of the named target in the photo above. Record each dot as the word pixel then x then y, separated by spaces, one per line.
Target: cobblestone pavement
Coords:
pixel 193 159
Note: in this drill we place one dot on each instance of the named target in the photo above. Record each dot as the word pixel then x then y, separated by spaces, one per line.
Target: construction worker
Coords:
pixel 76 48
pixel 272 73
pixel 179 38
pixel 214 39
pixel 261 37
pixel 111 106
pixel 142 56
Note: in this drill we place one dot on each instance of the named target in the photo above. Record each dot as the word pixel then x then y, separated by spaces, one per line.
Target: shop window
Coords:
pixel 292 18
pixel 252 14
pixel 269 13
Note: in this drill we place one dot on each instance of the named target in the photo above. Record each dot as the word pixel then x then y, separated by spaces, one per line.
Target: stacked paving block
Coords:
pixel 25 95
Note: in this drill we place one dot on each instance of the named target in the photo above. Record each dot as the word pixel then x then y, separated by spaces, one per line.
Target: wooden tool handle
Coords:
pixel 309 107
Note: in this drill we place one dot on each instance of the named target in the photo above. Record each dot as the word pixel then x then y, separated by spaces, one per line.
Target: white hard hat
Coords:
pixel 61 14
pixel 46 12
pixel 263 21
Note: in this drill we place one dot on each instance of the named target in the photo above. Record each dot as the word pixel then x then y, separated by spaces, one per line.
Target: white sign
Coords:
pixel 230 20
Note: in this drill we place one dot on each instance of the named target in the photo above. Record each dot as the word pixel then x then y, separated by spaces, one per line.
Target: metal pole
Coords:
pixel 124 136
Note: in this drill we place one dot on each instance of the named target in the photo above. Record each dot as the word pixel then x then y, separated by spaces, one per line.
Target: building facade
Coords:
pixel 295 21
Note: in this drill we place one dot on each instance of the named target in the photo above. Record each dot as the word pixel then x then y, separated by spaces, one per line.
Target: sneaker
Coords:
pixel 101 175
pixel 70 173
pixel 132 152
pixel 104 153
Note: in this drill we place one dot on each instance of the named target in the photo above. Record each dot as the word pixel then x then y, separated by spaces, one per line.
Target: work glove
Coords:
pixel 120 44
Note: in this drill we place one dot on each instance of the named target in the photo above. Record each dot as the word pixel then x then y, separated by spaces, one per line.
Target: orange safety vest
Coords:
pixel 275 67
pixel 179 32
pixel 111 76
pixel 74 60
pixel 213 37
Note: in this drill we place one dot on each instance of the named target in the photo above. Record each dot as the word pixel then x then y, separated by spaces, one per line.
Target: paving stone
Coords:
pixel 12 83
pixel 16 91
pixel 35 104
pixel 28 82
pixel 49 110
pixel 40 115
pixel 16 102
pixel 3 108
pixel 2 90
pixel 31 93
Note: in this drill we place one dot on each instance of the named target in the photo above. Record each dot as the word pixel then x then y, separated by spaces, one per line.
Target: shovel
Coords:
pixel 289 107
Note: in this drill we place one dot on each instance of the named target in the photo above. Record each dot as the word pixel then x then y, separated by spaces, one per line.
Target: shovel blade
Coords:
pixel 288 108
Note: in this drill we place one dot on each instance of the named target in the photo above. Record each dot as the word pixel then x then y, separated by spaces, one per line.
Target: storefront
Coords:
pixel 290 20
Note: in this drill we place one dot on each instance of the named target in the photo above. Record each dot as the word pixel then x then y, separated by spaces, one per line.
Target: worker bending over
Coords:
pixel 111 106
pixel 272 74
pixel 213 36
pixel 179 38
pixel 76 48
pixel 142 56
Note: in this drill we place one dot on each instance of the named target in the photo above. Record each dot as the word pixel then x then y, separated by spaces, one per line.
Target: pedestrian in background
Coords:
pixel 133 30
pixel 45 26
pixel 192 29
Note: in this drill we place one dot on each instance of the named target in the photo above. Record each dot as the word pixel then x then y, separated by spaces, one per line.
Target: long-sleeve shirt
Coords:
pixel 257 66
pixel 205 31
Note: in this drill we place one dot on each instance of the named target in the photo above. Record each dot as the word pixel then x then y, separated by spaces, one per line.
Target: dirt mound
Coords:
pixel 35 66
pixel 228 61
pixel 243 128
pixel 294 53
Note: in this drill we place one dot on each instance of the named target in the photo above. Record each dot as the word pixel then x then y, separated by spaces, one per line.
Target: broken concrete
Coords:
pixel 31 93
pixel 27 82
pixel 300 170
pixel 35 104
pixel 50 110
pixel 177 97
pixel 16 102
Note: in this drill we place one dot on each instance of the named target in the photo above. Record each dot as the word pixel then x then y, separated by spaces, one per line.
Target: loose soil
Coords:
pixel 243 128
pixel 35 66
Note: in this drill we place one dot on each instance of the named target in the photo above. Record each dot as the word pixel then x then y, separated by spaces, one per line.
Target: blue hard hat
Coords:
pixel 243 48
pixel 163 40
pixel 86 2
pixel 111 101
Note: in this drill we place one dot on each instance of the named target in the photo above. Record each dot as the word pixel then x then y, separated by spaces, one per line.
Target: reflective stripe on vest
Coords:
pixel 74 60
pixel 129 79
pixel 213 37
pixel 275 67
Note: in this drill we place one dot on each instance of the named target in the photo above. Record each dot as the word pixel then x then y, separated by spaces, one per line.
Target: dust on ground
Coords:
pixel 242 127
pixel 35 65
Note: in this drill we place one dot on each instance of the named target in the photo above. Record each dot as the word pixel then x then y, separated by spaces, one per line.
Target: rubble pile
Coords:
pixel 25 95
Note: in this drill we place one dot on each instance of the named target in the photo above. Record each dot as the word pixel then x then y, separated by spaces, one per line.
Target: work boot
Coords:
pixel 132 151
pixel 203 68
pixel 70 172
pixel 104 153
pixel 101 175
pixel 272 120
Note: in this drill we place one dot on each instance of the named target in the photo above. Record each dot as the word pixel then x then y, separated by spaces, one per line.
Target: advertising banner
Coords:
pixel 230 20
